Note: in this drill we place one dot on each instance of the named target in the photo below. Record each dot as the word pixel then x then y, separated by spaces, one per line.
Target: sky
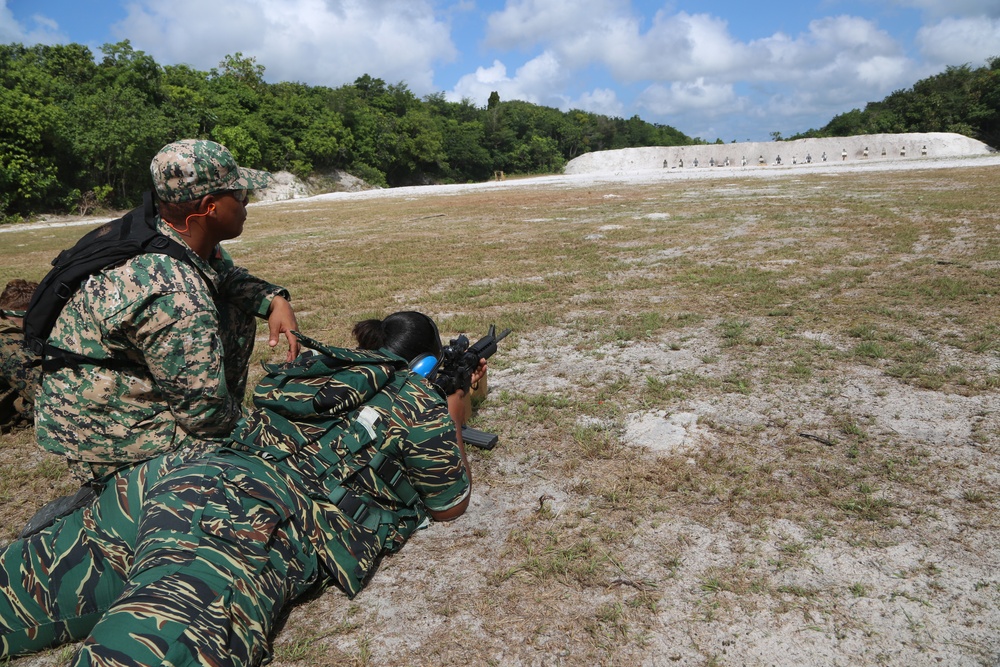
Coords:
pixel 734 70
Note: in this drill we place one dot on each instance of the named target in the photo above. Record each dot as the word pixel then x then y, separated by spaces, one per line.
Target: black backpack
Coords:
pixel 112 243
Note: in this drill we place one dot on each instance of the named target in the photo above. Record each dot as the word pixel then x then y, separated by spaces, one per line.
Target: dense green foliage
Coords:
pixel 76 133
pixel 960 99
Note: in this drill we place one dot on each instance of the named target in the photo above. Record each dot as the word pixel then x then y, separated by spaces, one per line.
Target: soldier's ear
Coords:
pixel 208 203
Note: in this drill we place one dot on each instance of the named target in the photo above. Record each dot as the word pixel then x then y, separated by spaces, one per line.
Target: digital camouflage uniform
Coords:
pixel 18 378
pixel 184 330
pixel 190 562
pixel 189 169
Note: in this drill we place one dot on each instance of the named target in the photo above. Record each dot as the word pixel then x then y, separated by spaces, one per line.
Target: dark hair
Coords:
pixel 178 212
pixel 17 294
pixel 407 334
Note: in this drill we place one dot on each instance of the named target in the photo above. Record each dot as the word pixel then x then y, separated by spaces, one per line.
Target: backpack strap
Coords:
pixel 391 472
pixel 73 266
pixel 56 358
pixel 161 243
pixel 392 527
pixel 357 508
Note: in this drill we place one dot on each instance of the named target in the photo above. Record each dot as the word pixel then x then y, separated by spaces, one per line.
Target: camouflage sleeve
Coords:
pixel 183 351
pixel 433 460
pixel 247 292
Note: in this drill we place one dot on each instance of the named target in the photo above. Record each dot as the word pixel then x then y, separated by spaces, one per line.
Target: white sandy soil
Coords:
pixel 933 596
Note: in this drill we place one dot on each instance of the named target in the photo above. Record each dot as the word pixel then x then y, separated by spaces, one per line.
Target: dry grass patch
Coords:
pixel 742 422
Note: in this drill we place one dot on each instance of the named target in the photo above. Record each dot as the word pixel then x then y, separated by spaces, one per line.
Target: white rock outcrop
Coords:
pixel 862 148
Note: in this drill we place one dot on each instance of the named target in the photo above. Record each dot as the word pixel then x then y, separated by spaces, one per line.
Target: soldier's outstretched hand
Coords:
pixel 281 320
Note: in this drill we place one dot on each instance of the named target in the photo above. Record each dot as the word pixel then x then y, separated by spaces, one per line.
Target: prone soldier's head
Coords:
pixel 409 334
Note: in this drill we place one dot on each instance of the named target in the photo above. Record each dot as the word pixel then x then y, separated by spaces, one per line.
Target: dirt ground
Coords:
pixel 691 532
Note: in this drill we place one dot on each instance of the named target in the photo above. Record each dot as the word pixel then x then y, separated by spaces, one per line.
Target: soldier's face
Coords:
pixel 230 213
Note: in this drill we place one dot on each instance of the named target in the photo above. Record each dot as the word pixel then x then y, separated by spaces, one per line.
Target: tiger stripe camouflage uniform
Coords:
pixel 189 355
pixel 190 562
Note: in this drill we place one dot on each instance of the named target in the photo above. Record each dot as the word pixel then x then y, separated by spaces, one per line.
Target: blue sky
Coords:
pixel 729 69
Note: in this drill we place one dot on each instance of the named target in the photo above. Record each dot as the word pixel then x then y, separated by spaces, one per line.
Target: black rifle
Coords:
pixel 459 360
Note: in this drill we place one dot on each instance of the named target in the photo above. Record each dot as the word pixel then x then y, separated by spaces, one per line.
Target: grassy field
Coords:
pixel 742 422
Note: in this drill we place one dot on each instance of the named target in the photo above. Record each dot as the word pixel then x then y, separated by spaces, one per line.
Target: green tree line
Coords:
pixel 960 99
pixel 76 132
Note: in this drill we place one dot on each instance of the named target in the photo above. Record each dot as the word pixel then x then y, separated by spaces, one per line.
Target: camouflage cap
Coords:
pixel 192 168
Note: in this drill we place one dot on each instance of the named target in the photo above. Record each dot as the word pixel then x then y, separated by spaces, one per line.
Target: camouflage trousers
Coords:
pixel 176 563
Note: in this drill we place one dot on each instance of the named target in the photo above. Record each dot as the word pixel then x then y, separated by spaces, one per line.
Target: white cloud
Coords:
pixel 478 85
pixel 537 81
pixel 960 41
pixel 43 31
pixel 682 97
pixel 883 72
pixel 602 101
pixel 524 23
pixel 833 48
pixel 698 51
pixel 46 23
pixel 10 30
pixel 837 64
pixel 955 8
pixel 322 43
pixel 691 64
pixel 541 73
pixel 683 46
pixel 490 75
pixel 602 31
